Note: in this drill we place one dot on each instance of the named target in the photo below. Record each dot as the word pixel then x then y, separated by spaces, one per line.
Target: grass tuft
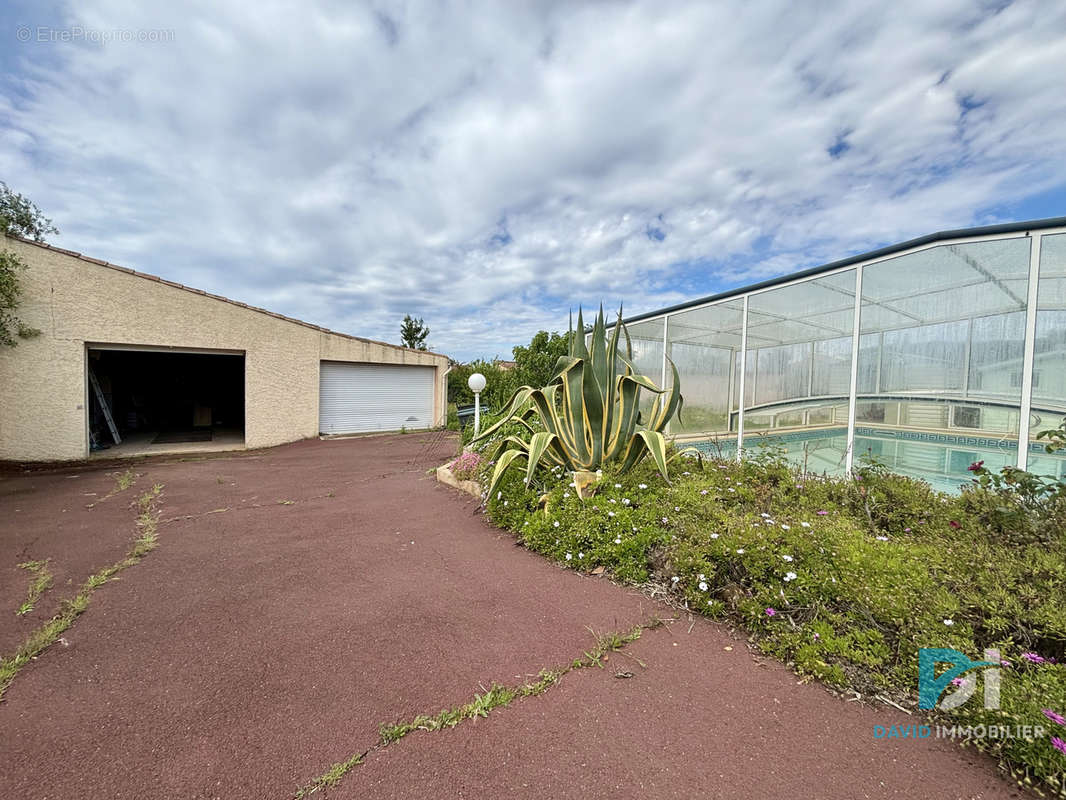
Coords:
pixel 39 583
pixel 330 777
pixel 124 481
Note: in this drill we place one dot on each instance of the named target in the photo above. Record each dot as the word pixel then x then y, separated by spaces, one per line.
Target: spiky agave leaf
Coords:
pixel 589 410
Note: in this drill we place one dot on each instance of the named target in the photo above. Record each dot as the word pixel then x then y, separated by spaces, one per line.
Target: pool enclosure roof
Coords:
pixel 915 306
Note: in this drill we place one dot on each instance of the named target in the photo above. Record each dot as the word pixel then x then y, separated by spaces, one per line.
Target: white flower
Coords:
pixel 805 524
pixel 643 486
pixel 686 473
pixel 524 524
pixel 674 579
pixel 790 576
pixel 499 495
pixel 599 472
pixel 612 500
pixel 740 551
pixel 568 556
pixel 703 492
pixel 580 555
pixel 882 538
pixel 610 513
pixel 618 486
pixel 786 558
pixel 702 577
pixel 617 540
pixel 625 501
pixel 732 489
pixel 566 494
pixel 703 586
pixel 765 515
pixel 555 524
pixel 785 527
pixel 769 522
pixel 677 508
pixel 505 502
pixel 949 622
pixel 714 535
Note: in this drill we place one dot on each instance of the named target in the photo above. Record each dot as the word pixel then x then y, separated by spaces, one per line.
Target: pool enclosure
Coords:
pixel 928 356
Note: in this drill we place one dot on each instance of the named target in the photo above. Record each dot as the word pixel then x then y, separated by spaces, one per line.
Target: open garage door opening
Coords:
pixel 152 401
pixel 364 398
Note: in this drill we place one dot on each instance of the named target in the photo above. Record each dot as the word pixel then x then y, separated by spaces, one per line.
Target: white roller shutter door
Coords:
pixel 358 398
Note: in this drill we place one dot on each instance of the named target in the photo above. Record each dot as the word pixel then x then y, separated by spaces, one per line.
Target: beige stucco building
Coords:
pixel 178 366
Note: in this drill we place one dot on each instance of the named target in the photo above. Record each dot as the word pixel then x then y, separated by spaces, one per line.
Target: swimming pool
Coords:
pixel 941 459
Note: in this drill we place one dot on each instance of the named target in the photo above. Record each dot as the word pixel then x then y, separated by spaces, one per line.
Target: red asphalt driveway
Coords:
pixel 303 595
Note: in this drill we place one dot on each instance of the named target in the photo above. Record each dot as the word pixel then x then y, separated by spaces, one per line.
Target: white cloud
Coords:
pixel 485 166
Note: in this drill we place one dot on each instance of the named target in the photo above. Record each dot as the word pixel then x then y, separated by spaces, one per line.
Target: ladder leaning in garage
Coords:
pixel 104 407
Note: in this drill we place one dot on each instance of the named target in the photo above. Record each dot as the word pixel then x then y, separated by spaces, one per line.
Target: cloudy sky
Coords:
pixel 489 166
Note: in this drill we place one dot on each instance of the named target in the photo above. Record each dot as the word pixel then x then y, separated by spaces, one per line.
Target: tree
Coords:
pixel 499 384
pixel 19 216
pixel 535 365
pixel 413 333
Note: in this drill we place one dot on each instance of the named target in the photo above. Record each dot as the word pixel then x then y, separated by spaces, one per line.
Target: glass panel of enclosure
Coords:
pixel 939 375
pixel 1049 358
pixel 646 339
pixel 704 345
pixel 798 370
pixel 940 359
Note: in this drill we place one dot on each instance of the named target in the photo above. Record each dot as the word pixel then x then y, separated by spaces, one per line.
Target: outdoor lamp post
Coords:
pixel 476 382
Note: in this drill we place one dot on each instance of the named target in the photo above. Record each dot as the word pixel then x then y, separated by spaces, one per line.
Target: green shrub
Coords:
pixel 1016 505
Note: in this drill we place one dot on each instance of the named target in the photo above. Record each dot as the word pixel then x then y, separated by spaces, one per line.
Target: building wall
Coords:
pixel 74 300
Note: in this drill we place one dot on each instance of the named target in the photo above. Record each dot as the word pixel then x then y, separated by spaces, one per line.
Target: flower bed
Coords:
pixel 844 580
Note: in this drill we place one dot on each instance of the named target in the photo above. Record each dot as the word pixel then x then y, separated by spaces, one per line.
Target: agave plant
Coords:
pixel 589 411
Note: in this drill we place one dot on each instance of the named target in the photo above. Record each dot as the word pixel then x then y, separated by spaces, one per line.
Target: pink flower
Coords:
pixel 1058 719
pixel 817 635
pixel 975 466
pixel 958 682
pixel 1058 744
pixel 823 513
pixel 770 612
pixel 1033 658
pixel 954 524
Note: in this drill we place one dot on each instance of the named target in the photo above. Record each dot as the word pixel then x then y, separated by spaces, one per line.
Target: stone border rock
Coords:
pixel 445 475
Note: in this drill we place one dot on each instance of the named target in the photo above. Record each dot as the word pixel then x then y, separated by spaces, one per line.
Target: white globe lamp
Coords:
pixel 476 382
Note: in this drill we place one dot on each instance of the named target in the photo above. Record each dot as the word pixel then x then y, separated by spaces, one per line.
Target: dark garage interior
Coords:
pixel 158 399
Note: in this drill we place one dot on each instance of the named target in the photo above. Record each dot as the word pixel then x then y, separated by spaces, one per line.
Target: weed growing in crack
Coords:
pixel 41 581
pixel 124 481
pixel 482 705
pixel 331 777
pixel 69 610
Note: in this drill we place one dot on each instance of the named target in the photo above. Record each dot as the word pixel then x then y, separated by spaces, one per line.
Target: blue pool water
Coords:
pixel 941 459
